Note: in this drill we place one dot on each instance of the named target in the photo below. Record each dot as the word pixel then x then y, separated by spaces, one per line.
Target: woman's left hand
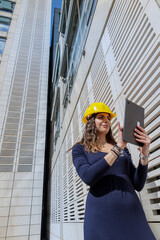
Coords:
pixel 142 137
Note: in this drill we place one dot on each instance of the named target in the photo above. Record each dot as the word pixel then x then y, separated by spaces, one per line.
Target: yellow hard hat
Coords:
pixel 97 107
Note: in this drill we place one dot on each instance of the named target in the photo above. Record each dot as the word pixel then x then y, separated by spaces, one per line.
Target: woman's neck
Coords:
pixel 102 140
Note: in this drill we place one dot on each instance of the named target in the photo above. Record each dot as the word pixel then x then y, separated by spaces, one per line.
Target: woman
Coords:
pixel 113 210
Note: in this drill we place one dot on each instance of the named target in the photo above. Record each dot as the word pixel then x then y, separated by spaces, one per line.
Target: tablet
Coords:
pixel 134 115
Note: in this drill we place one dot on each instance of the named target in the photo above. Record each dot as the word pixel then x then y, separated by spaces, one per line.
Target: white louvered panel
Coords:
pixel 117 15
pixel 64 156
pixel 81 126
pixel 146 69
pixel 153 196
pixel 142 44
pixel 95 68
pixel 154 124
pixel 140 92
pixel 79 190
pixel 134 53
pixel 58 188
pixel 136 49
pixel 154 145
pixel 70 162
pixel 71 192
pixel 65 190
pixel 152 116
pixel 101 83
pixel 72 212
pixel 72 134
pixel 119 19
pixel 149 93
pixel 84 102
pixel 53 199
pixel 155 104
pixel 154 184
pixel 69 139
pixel 54 196
pixel 70 176
pixel 139 35
pixel 65 165
pixel 80 209
pixel 154 155
pixel 156 206
pixel 65 214
pixel 129 35
pixel 65 179
pixel 55 206
pixel 155 134
pixel 90 89
pixel 155 161
pixel 155 94
pixel 75 125
pixel 106 96
pixel 131 13
pixel 153 173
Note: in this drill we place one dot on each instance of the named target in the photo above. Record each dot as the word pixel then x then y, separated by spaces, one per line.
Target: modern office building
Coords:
pixel 108 50
pixel 24 61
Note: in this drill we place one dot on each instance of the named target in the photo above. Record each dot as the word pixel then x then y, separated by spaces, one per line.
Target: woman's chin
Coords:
pixel 104 131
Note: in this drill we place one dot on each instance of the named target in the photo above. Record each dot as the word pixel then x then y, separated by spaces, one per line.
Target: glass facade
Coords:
pixel 2 44
pixel 75 42
pixel 4 24
pixel 56 67
pixel 7 6
pixel 74 27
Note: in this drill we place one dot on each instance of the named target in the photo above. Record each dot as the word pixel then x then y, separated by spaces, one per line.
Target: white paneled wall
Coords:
pixel 125 65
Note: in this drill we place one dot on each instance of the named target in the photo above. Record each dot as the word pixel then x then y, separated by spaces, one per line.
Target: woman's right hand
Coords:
pixel 122 144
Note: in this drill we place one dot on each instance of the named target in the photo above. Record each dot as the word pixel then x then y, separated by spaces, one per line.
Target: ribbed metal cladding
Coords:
pixel 20 124
pixel 136 48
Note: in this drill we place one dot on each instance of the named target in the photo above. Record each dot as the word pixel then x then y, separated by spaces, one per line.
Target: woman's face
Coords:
pixel 103 123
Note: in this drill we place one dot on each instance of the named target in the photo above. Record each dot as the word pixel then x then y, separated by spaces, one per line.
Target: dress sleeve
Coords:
pixel 137 175
pixel 89 174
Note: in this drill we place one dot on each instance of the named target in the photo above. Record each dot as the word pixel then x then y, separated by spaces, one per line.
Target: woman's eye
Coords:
pixel 102 117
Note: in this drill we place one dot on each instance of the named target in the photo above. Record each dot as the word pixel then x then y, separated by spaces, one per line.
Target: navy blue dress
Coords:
pixel 113 210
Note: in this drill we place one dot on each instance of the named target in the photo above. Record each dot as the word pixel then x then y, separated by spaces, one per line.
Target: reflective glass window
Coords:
pixel 2 44
pixel 7 6
pixel 4 23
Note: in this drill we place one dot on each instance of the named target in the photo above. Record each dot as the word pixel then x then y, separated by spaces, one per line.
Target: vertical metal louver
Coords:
pixel 136 49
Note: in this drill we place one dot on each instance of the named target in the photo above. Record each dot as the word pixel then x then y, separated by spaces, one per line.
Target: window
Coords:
pixel 4 23
pixel 56 114
pixel 2 44
pixel 77 33
pixel 91 11
pixel 7 6
pixel 56 67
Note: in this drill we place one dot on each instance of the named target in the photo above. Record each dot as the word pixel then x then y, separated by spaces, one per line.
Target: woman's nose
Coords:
pixel 106 119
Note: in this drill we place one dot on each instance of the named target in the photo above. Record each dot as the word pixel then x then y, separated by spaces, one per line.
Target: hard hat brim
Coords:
pixel 111 114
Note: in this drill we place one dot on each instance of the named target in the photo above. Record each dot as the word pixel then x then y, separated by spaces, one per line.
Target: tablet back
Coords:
pixel 134 115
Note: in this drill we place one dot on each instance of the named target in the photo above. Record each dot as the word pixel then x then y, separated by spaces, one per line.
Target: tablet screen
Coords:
pixel 134 115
